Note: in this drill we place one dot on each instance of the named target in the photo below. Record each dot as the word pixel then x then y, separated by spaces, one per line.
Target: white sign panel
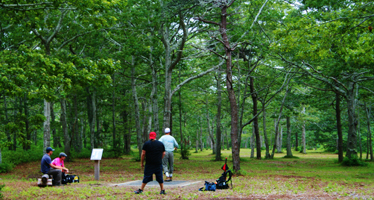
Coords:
pixel 96 154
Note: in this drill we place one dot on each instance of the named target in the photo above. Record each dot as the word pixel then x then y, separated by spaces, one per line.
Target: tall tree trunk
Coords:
pixel 279 145
pixel 255 121
pixel 144 122
pixel 201 139
pixel 277 123
pixel 136 103
pixel 267 154
pixel 126 135
pixel 210 132
pixel 28 133
pixel 296 141
pixel 339 126
pixel 197 141
pixel 65 128
pixel 7 132
pixel 218 116
pixel 303 136
pixel 82 134
pixel 114 113
pixel 289 151
pixel 47 125
pixel 180 115
pixel 93 118
pixel 170 65
pixel 98 127
pixel 54 134
pixel 75 134
pixel 359 132
pixel 352 121
pixel 154 99
pixel 369 132
pixel 252 143
pixel 231 92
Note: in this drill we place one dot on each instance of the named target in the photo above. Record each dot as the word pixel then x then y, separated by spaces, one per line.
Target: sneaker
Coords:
pixel 139 191
pixel 162 192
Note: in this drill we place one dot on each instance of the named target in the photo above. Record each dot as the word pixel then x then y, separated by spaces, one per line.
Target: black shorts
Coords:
pixel 149 170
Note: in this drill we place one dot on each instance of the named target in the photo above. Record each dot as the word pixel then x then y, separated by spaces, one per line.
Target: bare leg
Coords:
pixel 143 186
pixel 162 186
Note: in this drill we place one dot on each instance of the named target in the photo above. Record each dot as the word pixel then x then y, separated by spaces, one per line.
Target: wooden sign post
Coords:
pixel 96 156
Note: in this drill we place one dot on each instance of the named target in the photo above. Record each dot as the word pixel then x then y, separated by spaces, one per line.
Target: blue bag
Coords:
pixel 210 186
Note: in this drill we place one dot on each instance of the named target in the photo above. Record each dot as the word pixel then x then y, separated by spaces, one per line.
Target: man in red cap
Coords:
pixel 153 151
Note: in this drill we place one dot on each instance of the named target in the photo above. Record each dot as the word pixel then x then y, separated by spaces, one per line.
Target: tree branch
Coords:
pixel 195 77
pixel 181 46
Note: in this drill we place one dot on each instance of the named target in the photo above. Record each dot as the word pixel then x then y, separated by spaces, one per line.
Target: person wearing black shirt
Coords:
pixel 153 151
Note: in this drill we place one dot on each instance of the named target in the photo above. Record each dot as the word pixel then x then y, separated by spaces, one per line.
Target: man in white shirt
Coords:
pixel 168 161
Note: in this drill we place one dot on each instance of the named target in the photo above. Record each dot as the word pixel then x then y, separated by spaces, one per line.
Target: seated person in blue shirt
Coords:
pixel 48 168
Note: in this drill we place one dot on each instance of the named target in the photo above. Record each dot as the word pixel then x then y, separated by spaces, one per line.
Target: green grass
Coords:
pixel 312 175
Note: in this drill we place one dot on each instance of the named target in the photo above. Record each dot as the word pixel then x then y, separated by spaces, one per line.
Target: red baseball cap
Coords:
pixel 152 135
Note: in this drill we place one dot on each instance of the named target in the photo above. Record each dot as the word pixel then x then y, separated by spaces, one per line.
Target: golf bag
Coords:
pixel 222 181
pixel 69 179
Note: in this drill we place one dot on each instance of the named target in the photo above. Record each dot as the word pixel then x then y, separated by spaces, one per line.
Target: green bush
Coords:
pixel 1 194
pixel 185 153
pixel 353 161
pixel 6 167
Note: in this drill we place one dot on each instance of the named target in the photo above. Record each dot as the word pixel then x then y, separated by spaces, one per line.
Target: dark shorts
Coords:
pixel 149 170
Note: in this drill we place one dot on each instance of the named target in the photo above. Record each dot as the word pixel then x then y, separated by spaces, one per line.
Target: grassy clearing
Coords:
pixel 312 175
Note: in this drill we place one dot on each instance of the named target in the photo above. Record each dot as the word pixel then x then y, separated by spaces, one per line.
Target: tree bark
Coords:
pixel 358 131
pixel 114 114
pixel 255 121
pixel 47 125
pixel 339 126
pixel 218 117
pixel 93 118
pixel 65 128
pixel 197 141
pixel 170 65
pixel 252 143
pixel 280 137
pixel 136 105
pixel 154 100
pixel 303 134
pixel 9 139
pixel 289 142
pixel 369 132
pixel 277 123
pixel 28 133
pixel 267 154
pixel 54 134
pixel 231 92
pixel 210 132
pixel 352 121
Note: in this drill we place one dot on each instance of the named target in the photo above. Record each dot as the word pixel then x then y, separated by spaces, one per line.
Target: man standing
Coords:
pixel 153 151
pixel 168 161
pixel 48 168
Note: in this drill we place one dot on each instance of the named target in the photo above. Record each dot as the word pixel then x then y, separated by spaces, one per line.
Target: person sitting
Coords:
pixel 59 161
pixel 48 168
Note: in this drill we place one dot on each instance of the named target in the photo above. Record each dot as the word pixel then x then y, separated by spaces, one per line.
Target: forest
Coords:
pixel 268 75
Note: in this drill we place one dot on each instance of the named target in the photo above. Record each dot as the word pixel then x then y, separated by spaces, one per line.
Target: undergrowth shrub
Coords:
pixel 353 161
pixel 185 152
pixel 135 156
pixel 6 167
pixel 1 194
